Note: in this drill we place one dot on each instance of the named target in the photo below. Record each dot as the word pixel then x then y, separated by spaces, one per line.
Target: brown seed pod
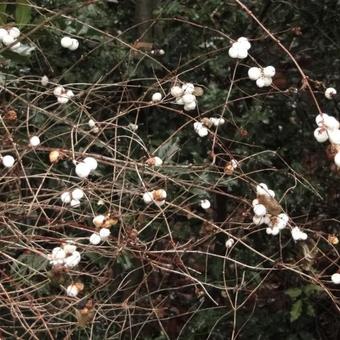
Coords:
pixel 229 169
pixel 159 195
pixel 206 122
pixel 271 204
pixel 198 91
pixel 10 116
pixel 80 286
pixel 333 239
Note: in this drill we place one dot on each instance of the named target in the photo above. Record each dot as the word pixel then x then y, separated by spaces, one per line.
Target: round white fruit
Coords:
pixel 91 162
pixel 156 97
pixel 34 141
pixel 83 170
pixel 269 71
pixel 176 91
pixel 254 73
pixel 330 93
pixel 66 197
pixel 95 239
pixel 8 161
pixel 205 204
pixel 320 135
pixel 66 42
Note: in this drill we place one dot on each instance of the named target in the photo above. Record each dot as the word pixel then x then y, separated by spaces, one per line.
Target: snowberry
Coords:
pixel 44 80
pixel 72 290
pixel 257 220
pixel 189 107
pixel 104 233
pixel 69 248
pixel 74 46
pixel 91 162
pixel 77 194
pixel 66 42
pixel 91 123
pixel 156 97
pixel 8 40
pixel 320 135
pixel 297 234
pixel 58 253
pixel 75 203
pixel 69 94
pixel 259 210
pixel 334 136
pixel 254 73
pixel 262 189
pixel 269 71
pixel 176 91
pixel 188 88
pixel 179 101
pixel 34 141
pixel 244 43
pixel 3 33
pixel 229 243
pixel 261 82
pixel 267 81
pixel 83 169
pixel 161 52
pixel 242 52
pixel 66 197
pixel 205 204
pixel 58 91
pixel 8 161
pixel 255 202
pixel 62 99
pixel 133 127
pixel 271 193
pixel 72 260
pixel 98 220
pixel 233 52
pixel 159 194
pixel 330 93
pixel 283 217
pixel 147 197
pixel 269 231
pixel 14 32
pixel 331 122
pixel 335 278
pixel 320 118
pixel 203 132
pixel 95 239
pixel 188 98
pixel 198 126
pixel 337 159
pixel 217 121
pixel 154 161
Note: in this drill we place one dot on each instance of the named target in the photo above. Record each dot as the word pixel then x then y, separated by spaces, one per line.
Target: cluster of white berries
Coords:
pixel 298 235
pixel 239 49
pixel 201 128
pixel 157 196
pixel 330 92
pixel 103 233
pixel 73 198
pixel 205 204
pixel 9 37
pixel 84 168
pixel 336 278
pixel 185 96
pixel 92 124
pixel 34 141
pixel 7 161
pixel 63 95
pixel 275 222
pixel 328 128
pixel 154 161
pixel 263 76
pixel 66 255
pixel 69 43
pixel 156 97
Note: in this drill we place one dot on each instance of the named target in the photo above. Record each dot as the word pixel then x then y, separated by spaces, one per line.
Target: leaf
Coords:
pixel 294 293
pixel 168 149
pixel 296 310
pixel 3 15
pixel 23 12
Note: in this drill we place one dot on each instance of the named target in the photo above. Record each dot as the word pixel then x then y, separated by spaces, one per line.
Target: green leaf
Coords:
pixel 296 310
pixel 168 149
pixel 3 15
pixel 294 293
pixel 23 12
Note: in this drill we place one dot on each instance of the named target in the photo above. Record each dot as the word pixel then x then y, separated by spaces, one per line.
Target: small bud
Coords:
pixel 54 156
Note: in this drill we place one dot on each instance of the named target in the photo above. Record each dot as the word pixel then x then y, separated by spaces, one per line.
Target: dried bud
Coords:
pixel 207 122
pixel 54 156
pixel 333 239
pixel 10 116
pixel 159 195
pixel 198 91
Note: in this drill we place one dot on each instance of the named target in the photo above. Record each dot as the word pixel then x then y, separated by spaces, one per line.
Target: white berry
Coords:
pixel 83 170
pixel 156 97
pixel 66 42
pixel 320 135
pixel 66 197
pixel 176 91
pixel 269 71
pixel 95 239
pixel 98 220
pixel 8 161
pixel 91 162
pixel 205 204
pixel 254 73
pixel 77 194
pixel 330 93
pixel 337 159
pixel 336 278
pixel 104 233
pixel 34 141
